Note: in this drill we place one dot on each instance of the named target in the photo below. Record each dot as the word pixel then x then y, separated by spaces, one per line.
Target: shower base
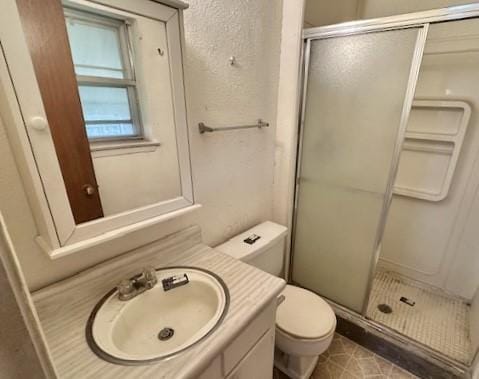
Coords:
pixel 423 314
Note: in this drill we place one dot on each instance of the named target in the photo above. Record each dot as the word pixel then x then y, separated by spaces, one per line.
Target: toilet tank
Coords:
pixel 262 246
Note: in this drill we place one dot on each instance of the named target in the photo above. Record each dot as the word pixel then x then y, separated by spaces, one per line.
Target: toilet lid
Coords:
pixel 304 314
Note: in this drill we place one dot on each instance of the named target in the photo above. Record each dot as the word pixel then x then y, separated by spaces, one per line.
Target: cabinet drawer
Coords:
pixel 238 349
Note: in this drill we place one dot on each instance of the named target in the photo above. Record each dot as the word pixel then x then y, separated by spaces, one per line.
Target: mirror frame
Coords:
pixel 21 103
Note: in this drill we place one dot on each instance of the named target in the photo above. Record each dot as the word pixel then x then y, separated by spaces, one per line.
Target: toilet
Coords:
pixel 305 323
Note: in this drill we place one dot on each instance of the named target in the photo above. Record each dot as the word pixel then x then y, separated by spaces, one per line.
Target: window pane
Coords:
pixel 106 111
pixel 110 130
pixel 96 48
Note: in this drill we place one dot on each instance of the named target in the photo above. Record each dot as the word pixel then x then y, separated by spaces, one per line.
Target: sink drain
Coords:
pixel 384 308
pixel 165 334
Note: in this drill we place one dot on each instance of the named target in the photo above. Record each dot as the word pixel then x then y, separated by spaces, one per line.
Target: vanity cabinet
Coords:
pixel 251 354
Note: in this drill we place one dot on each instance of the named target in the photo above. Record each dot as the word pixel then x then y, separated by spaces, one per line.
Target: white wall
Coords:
pixel 129 178
pixel 233 171
pixel 382 8
pixel 319 12
pixel 437 242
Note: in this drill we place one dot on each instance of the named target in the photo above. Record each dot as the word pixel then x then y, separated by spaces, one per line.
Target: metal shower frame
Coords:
pixel 420 20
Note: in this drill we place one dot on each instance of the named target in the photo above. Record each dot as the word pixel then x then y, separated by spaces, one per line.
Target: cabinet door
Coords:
pixel 59 91
pixel 214 370
pixel 258 363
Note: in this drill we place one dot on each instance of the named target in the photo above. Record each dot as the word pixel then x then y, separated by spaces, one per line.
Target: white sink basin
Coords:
pixel 157 323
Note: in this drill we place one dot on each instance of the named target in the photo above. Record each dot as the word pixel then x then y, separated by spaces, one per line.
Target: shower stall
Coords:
pixel 388 175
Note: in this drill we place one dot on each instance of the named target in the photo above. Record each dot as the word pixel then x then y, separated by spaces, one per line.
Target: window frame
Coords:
pixel 128 68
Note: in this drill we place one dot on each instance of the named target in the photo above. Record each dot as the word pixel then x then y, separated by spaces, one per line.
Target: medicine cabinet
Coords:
pixel 92 96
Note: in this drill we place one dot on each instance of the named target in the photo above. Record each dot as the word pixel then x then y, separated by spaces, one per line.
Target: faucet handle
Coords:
pixel 149 274
pixel 125 289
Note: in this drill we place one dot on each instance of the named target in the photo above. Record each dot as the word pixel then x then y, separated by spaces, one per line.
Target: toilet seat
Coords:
pixel 304 315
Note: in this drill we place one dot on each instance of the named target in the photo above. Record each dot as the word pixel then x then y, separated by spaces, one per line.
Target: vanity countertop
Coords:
pixel 64 308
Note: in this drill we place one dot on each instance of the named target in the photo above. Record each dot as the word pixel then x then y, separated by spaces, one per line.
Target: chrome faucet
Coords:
pixel 129 288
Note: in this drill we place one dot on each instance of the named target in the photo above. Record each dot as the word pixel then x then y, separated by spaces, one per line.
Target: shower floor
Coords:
pixel 436 320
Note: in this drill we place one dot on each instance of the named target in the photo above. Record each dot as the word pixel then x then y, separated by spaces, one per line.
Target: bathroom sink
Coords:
pixel 158 322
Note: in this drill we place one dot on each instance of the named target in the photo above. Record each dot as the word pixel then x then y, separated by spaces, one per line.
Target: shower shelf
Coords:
pixel 433 142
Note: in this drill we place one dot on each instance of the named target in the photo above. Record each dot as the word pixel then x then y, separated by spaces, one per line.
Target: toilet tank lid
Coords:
pixel 247 245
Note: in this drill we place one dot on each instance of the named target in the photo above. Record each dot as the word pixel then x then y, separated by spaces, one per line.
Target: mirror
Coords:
pixel 123 75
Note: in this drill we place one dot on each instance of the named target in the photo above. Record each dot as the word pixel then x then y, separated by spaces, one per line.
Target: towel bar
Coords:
pixel 204 128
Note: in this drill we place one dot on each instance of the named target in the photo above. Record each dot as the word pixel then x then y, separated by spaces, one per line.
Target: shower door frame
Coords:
pixel 411 20
pixel 422 29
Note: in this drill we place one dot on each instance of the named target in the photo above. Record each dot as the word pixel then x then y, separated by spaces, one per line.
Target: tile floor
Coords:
pixel 347 360
pixel 436 320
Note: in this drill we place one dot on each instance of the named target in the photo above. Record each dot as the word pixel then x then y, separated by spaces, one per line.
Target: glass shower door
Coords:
pixel 357 98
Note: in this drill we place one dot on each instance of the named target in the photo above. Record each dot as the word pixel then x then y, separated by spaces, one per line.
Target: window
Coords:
pixel 105 75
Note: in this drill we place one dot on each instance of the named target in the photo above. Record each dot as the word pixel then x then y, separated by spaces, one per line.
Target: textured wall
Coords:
pixel 233 171
pixel 287 122
pixel 474 318
pixel 18 359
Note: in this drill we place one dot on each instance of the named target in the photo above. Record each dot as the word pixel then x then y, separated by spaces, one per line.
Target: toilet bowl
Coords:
pixel 305 323
pixel 305 326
